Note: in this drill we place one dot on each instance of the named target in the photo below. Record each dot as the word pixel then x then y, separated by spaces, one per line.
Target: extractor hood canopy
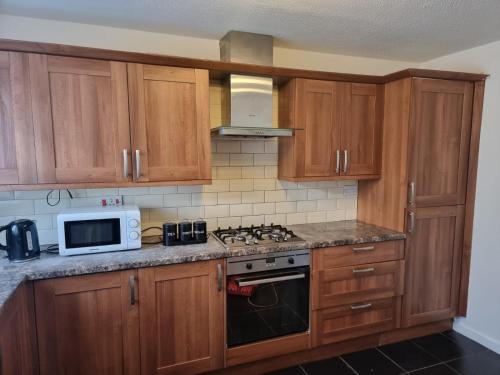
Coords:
pixel 247 101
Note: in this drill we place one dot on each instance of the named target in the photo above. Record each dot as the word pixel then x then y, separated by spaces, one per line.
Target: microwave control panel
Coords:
pixel 133 229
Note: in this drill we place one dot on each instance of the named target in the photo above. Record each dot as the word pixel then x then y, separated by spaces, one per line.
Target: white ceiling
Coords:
pixel 410 30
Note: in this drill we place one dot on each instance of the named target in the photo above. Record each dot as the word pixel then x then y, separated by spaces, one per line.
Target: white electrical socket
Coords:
pixel 112 201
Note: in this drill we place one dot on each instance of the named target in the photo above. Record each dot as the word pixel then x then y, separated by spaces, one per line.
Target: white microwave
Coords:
pixel 98 229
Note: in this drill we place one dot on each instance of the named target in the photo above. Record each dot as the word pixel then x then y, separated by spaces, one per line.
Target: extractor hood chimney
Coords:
pixel 247 101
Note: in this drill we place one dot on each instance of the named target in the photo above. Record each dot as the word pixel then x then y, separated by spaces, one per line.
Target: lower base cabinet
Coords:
pixel 18 354
pixel 182 318
pixel 88 324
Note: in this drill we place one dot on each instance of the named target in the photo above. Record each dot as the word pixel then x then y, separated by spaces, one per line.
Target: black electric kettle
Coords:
pixel 22 240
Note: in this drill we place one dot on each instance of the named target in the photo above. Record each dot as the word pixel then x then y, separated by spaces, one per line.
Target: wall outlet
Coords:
pixel 112 201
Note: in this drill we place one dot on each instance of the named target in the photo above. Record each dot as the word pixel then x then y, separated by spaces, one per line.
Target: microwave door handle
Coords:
pixel 268 280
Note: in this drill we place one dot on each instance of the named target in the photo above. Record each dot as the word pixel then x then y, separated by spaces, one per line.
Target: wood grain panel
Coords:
pixel 348 255
pixel 439 141
pixel 383 202
pixel 170 122
pixel 87 328
pixel 17 152
pixel 343 285
pixel 83 127
pixel 175 339
pixel 343 322
pixel 433 258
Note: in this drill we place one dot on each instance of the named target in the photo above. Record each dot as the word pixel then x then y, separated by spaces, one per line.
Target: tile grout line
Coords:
pixel 390 359
pixel 348 365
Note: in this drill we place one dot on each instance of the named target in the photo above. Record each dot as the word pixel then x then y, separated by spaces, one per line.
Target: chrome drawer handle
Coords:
pixel 219 277
pixel 137 164
pixel 411 194
pixel 359 307
pixel 125 163
pixel 363 270
pixel 131 282
pixel 366 248
pixel 345 161
pixel 337 167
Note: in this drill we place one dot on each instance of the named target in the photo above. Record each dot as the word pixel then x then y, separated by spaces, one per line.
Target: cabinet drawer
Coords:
pixel 357 254
pixel 355 320
pixel 343 285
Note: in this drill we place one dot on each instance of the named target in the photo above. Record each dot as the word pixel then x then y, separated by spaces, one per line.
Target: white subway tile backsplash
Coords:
pixel 47 236
pixel 240 160
pixel 244 191
pixel 240 210
pixel 252 197
pixel 229 198
pixel 176 200
pixel 241 185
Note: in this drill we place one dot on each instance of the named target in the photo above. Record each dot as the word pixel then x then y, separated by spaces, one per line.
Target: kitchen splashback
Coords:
pixel 245 191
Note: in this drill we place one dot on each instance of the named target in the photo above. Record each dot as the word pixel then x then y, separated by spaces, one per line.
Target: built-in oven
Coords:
pixel 267 296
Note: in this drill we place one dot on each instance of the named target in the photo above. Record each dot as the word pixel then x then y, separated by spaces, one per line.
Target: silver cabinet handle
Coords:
pixel 359 307
pixel 131 283
pixel 361 249
pixel 219 277
pixel 411 226
pixel 125 163
pixel 137 164
pixel 411 193
pixel 345 161
pixel 337 167
pixel 363 270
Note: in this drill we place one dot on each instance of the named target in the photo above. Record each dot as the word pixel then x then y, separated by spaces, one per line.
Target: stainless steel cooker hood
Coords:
pixel 247 101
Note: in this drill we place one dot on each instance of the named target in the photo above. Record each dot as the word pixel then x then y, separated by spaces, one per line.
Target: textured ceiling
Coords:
pixel 411 30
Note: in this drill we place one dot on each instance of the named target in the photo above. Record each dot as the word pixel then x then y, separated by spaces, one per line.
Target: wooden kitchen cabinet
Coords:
pixel 169 115
pixel 18 349
pixel 182 318
pixel 17 150
pixel 338 130
pixel 433 259
pixel 81 120
pixel 88 324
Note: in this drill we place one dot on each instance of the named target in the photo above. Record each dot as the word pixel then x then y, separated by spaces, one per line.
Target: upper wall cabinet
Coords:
pixel 169 113
pixel 80 114
pixel 17 151
pixel 338 130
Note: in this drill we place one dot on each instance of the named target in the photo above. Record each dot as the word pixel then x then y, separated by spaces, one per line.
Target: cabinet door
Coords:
pixel 433 253
pixel 169 113
pixel 182 318
pixel 439 141
pixel 317 114
pixel 362 131
pixel 18 354
pixel 17 151
pixel 88 325
pixel 80 114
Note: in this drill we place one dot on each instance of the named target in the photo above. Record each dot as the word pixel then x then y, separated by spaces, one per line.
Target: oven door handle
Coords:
pixel 251 281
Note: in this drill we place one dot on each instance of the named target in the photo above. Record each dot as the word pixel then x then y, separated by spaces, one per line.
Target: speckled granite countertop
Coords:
pixel 314 236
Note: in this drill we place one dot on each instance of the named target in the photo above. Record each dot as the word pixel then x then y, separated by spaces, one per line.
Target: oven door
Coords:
pixel 267 304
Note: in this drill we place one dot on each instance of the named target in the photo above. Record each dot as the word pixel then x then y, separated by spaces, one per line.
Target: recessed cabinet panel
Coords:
pixel 80 112
pixel 17 151
pixel 439 141
pixel 169 123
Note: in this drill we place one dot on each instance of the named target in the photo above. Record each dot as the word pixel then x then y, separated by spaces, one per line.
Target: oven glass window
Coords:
pixel 88 233
pixel 263 310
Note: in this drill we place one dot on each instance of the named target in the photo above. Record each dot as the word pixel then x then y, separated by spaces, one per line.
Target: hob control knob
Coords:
pixel 249 266
pixel 291 260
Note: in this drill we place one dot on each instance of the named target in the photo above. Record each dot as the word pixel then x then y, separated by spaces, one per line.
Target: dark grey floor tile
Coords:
pixel 409 356
pixel 441 347
pixel 441 369
pixel 296 370
pixel 483 363
pixel 328 367
pixel 372 362
pixel 464 342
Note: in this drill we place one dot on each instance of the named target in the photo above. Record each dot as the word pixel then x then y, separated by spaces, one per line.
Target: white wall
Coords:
pixel 483 318
pixel 39 30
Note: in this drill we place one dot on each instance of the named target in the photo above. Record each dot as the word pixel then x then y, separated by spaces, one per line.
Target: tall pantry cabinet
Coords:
pixel 427 188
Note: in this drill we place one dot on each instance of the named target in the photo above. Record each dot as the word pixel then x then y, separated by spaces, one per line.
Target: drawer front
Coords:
pixel 355 320
pixel 344 285
pixel 339 256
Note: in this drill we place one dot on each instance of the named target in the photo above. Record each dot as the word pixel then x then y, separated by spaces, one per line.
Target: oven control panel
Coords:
pixel 267 262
